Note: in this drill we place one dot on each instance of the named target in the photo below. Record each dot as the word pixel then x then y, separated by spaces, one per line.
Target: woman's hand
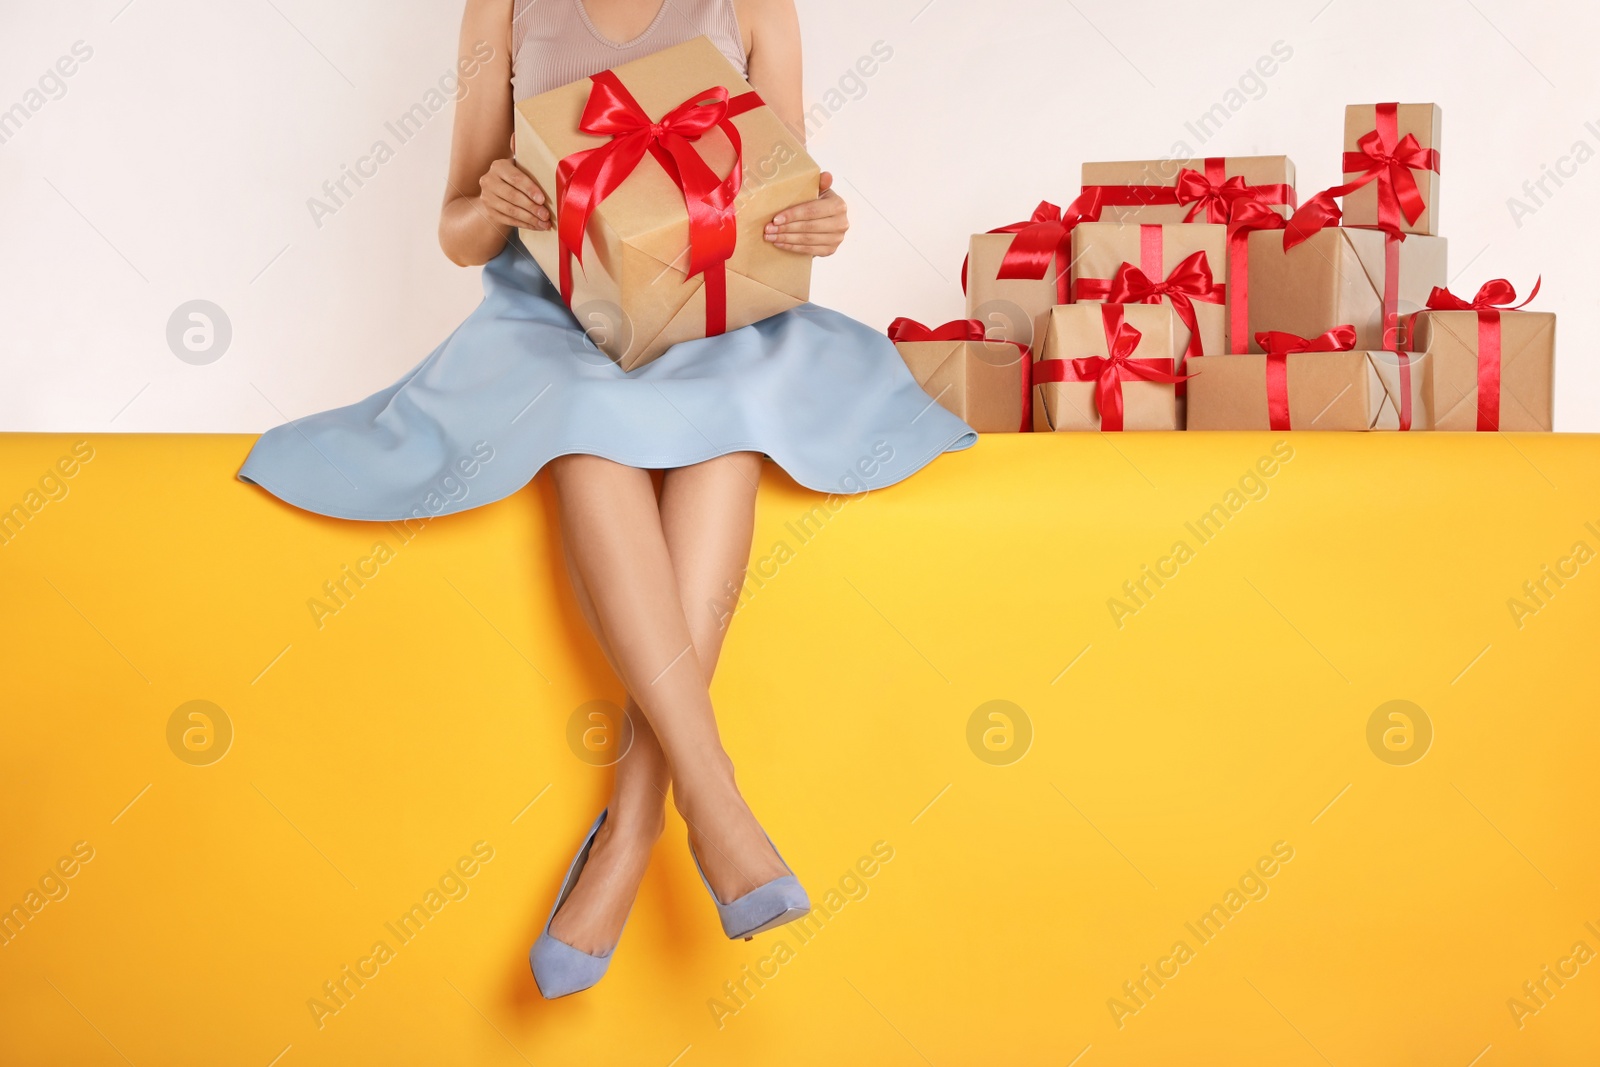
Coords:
pixel 512 198
pixel 816 228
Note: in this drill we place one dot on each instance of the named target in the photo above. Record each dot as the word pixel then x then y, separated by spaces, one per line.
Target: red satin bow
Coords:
pixel 1279 347
pixel 904 329
pixel 1108 372
pixel 910 330
pixel 1043 239
pixel 1189 281
pixel 1494 298
pixel 1218 199
pixel 584 179
pixel 1391 161
pixel 1498 294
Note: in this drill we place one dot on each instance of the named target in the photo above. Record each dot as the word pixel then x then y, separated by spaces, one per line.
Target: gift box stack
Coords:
pixel 1202 295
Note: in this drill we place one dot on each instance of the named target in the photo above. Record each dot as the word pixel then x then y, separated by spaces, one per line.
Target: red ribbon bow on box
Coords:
pixel 1383 156
pixel 1108 372
pixel 1043 239
pixel 1211 193
pixel 1217 198
pixel 1279 347
pixel 1189 281
pixel 904 329
pixel 1493 298
pixel 584 179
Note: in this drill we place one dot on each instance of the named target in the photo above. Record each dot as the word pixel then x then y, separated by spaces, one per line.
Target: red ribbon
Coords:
pixel 1493 298
pixel 1279 347
pixel 584 179
pixel 1041 240
pixel 910 330
pixel 1392 161
pixel 1211 193
pixel 1108 372
pixel 1189 281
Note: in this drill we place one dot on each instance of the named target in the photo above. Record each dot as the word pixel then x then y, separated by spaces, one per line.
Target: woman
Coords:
pixel 518 387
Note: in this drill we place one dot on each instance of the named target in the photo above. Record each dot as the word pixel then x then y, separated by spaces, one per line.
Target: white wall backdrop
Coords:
pixel 177 160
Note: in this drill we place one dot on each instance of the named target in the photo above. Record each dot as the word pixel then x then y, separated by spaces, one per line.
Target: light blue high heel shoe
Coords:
pixel 560 970
pixel 766 907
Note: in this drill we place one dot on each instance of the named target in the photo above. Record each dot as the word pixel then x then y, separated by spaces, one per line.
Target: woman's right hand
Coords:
pixel 512 198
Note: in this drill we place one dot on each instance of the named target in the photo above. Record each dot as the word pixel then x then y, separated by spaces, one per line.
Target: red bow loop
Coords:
pixel 1497 294
pixel 1214 199
pixel 1338 339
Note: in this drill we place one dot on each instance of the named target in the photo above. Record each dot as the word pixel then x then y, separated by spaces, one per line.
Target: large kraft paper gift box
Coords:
pixel 1093 354
pixel 1309 387
pixel 635 273
pixel 1471 351
pixel 1188 190
pixel 1391 151
pixel 983 383
pixel 1182 265
pixel 1337 276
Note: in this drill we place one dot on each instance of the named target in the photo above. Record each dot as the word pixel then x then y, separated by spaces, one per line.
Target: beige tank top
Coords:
pixel 554 42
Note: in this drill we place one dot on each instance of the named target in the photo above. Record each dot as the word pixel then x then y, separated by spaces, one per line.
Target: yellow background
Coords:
pixel 1228 714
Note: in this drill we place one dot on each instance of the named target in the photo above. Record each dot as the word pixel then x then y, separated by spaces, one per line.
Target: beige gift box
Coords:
pixel 1326 391
pixel 1257 171
pixel 1077 331
pixel 982 383
pixel 633 282
pixel 1337 276
pixel 1527 369
pixel 1422 121
pixel 1011 309
pixel 1099 249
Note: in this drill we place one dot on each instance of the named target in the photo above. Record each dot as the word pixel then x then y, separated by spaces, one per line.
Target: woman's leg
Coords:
pixel 627 552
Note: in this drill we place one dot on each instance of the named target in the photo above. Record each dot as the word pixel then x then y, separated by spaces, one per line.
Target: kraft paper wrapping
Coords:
pixel 1255 170
pixel 1337 277
pixel 1100 248
pixel 1421 120
pixel 633 282
pixel 1076 331
pixel 1327 391
pixel 979 383
pixel 1527 368
pixel 1011 309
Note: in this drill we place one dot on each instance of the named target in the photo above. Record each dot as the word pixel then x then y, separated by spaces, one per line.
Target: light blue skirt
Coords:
pixel 519 383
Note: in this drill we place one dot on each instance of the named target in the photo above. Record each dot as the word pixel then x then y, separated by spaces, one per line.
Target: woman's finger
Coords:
pixel 831 224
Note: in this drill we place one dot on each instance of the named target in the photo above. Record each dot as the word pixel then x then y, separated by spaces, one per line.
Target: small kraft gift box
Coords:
pixel 1016 274
pixel 1490 365
pixel 1176 264
pixel 1108 367
pixel 663 174
pixel 1391 167
pixel 1298 383
pixel 984 383
pixel 1188 190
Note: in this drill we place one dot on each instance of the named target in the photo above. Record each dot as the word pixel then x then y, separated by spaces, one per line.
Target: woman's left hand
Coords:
pixel 815 228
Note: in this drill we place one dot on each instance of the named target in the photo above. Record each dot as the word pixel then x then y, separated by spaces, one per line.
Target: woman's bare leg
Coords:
pixel 627 552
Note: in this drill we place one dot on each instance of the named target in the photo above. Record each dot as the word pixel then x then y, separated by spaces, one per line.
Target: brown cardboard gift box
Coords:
pixel 633 280
pixel 983 383
pixel 1452 341
pixel 1325 391
pixel 1101 249
pixel 1386 128
pixel 1080 332
pixel 1173 190
pixel 1011 309
pixel 1336 276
